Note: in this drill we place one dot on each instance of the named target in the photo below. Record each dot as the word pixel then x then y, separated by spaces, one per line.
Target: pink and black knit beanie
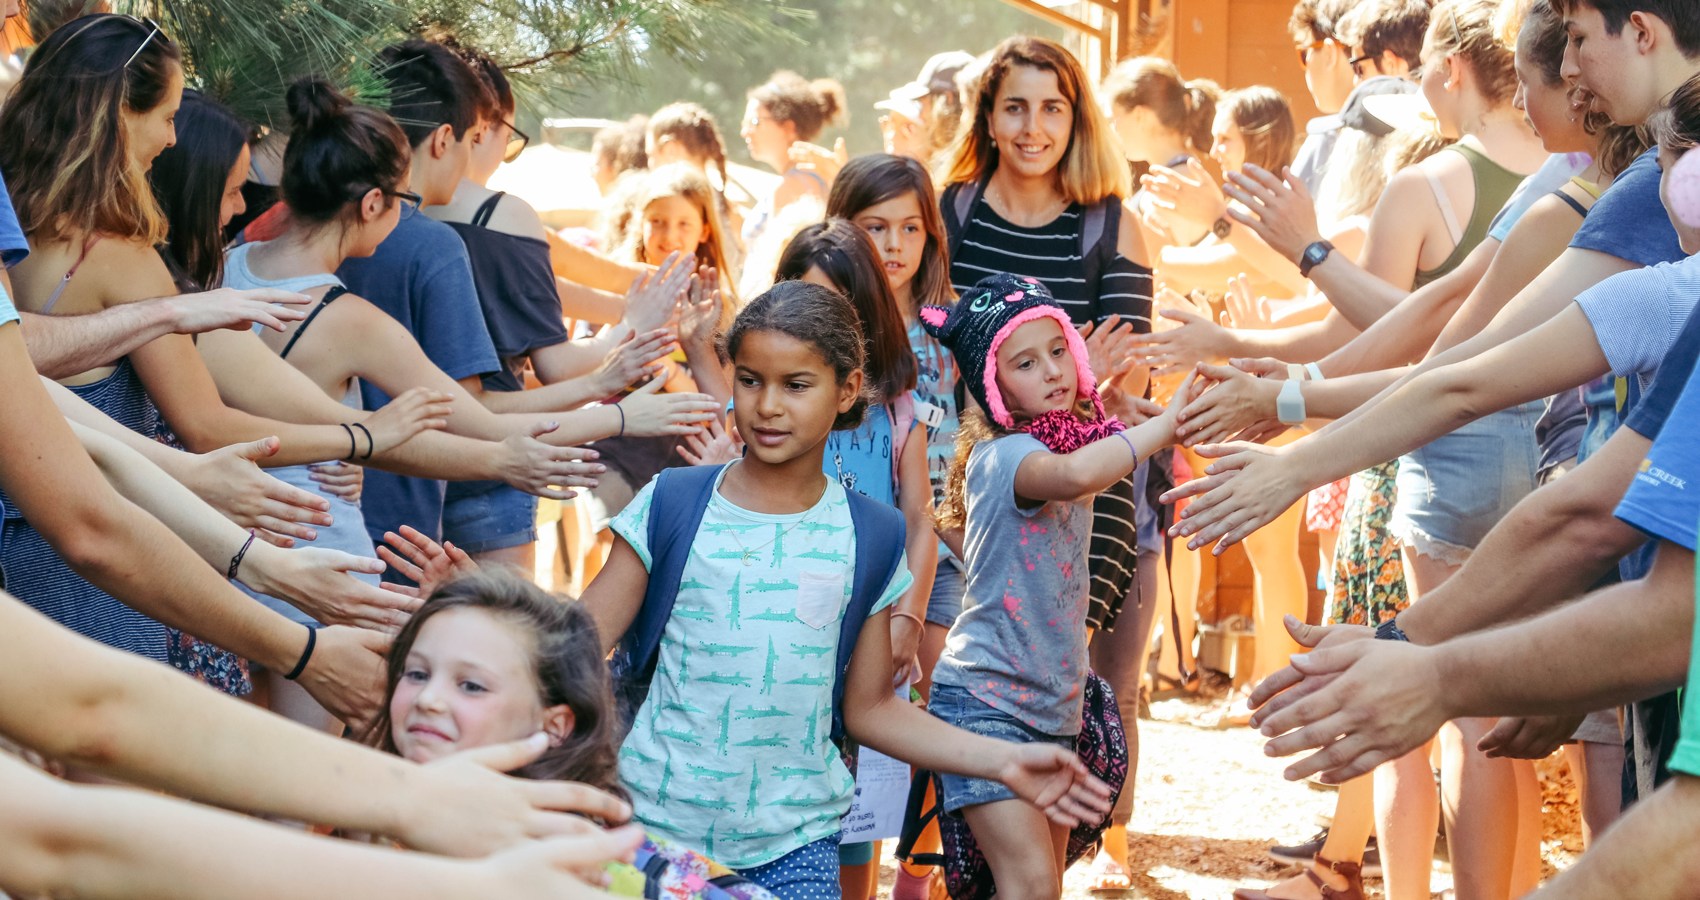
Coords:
pixel 979 323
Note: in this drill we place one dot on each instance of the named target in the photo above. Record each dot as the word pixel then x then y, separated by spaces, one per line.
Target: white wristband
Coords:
pixel 1295 372
pixel 1290 403
pixel 1315 372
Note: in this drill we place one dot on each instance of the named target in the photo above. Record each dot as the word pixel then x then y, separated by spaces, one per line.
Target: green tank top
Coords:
pixel 1494 186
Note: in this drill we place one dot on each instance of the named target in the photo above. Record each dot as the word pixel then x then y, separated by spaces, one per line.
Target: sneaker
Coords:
pixel 1302 854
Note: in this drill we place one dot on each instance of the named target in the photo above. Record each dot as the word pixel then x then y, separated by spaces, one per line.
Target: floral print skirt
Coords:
pixel 1368 584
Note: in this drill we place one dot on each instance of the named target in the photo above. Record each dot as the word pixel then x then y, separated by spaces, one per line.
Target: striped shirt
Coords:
pixel 1051 253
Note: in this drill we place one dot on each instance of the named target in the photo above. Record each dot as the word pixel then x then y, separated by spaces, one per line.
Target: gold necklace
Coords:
pixel 995 194
pixel 748 554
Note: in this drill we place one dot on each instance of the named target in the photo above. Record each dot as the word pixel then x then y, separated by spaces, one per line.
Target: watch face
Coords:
pixel 1222 227
pixel 1315 253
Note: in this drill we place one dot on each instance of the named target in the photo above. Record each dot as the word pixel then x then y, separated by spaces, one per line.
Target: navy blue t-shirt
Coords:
pixel 421 276
pixel 1629 221
pixel 1661 498
pixel 13 245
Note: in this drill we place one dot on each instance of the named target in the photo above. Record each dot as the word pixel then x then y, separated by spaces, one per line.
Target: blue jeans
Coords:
pixel 958 707
pixel 489 519
pixel 809 872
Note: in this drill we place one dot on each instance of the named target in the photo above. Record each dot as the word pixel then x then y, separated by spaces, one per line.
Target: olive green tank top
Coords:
pixel 1494 186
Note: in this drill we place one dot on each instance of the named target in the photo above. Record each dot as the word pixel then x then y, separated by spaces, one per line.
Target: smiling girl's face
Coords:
pixel 900 234
pixel 468 683
pixel 671 224
pixel 1031 121
pixel 1036 371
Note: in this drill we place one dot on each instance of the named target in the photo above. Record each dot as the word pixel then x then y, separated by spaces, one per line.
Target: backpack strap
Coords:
pixel 880 536
pixel 676 508
pixel 1100 230
pixel 957 204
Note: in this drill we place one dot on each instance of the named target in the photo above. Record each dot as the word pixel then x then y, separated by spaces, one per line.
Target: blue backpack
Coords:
pixel 680 497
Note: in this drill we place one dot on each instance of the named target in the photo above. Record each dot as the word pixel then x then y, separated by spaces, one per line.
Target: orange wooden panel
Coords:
pixel 1201 38
pixel 1240 43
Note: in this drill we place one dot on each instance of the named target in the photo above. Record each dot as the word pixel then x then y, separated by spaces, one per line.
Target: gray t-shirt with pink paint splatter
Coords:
pixel 1020 643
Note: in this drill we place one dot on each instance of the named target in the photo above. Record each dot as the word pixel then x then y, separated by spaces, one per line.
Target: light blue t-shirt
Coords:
pixel 1552 175
pixel 422 277
pixel 860 458
pixel 731 753
pixel 1638 314
pixel 1020 643
pixel 8 312
pixel 13 245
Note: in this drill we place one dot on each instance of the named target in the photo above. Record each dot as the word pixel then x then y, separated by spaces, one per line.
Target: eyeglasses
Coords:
pixel 410 202
pixel 1357 63
pixel 153 29
pixel 755 121
pixel 1308 49
pixel 516 143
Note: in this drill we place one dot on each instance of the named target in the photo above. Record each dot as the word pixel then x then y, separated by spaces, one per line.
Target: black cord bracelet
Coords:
pixel 350 432
pixel 622 420
pixel 236 561
pixel 370 446
pixel 306 655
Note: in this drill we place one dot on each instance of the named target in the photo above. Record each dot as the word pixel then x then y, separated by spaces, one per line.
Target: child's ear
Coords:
pixel 558 723
pixel 848 390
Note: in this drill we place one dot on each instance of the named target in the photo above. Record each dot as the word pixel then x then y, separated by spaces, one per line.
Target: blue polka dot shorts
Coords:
pixel 809 872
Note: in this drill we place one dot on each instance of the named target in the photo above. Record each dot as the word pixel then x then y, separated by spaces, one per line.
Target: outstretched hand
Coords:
pixel 468 808
pixel 1236 401
pixel 1358 703
pixel 1279 209
pixel 1192 195
pixel 1246 488
pixel 423 561
pixel 1055 780
pixel 1178 348
pixel 653 299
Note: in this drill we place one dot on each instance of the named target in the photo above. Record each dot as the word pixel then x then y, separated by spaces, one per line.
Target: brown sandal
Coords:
pixel 1352 872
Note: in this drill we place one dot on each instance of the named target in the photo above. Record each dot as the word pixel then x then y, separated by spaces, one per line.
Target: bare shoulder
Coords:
pixel 126 271
pixel 1130 236
pixel 517 217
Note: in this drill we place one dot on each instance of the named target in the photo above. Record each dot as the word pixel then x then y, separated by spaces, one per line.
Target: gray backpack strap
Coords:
pixel 1099 234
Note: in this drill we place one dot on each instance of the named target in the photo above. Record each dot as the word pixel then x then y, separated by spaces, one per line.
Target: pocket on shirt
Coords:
pixel 820 597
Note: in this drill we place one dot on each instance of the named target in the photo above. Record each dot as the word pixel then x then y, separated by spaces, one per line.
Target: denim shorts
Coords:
pixel 1453 490
pixel 945 602
pixel 479 521
pixel 958 707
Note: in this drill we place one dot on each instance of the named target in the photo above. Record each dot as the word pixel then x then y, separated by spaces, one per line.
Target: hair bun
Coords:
pixel 313 101
pixel 834 108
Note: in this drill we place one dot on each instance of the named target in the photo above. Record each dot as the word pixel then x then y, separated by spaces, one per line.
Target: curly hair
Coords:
pixel 808 105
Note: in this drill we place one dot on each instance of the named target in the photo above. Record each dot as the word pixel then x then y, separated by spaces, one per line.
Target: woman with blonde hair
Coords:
pixel 1035 187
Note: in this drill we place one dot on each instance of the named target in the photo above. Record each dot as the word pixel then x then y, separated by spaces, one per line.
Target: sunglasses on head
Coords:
pixel 1306 50
pixel 153 30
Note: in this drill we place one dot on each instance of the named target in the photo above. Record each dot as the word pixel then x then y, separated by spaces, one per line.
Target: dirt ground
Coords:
pixel 1209 803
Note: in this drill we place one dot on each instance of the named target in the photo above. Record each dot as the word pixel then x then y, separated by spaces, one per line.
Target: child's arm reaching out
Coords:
pixel 1045 775
pixel 1093 468
pixel 616 594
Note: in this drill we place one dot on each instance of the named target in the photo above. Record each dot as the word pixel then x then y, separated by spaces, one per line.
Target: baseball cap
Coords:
pixel 939 74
